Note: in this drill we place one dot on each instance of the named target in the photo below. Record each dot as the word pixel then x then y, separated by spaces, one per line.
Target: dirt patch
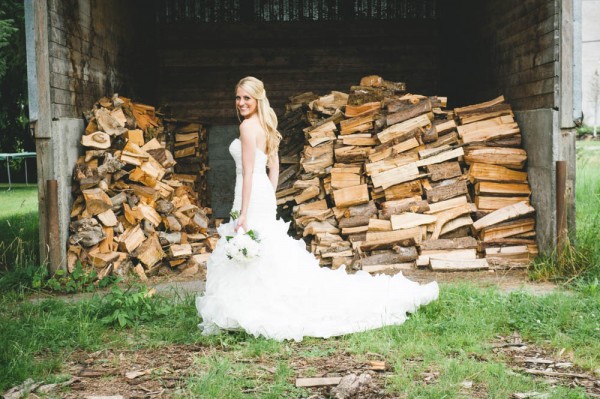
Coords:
pixel 340 364
pixel 163 372
pixel 552 367
pixel 144 373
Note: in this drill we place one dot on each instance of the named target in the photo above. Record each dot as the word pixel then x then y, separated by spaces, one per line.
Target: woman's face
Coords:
pixel 245 104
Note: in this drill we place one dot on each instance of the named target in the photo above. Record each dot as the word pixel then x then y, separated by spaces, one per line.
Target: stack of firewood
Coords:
pixel 130 211
pixel 389 180
pixel 190 148
pixel 291 126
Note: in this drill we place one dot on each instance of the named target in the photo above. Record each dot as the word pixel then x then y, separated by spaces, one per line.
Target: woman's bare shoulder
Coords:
pixel 247 129
pixel 250 127
pixel 251 123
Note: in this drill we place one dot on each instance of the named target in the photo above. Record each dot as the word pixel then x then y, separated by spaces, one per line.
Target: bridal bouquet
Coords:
pixel 244 246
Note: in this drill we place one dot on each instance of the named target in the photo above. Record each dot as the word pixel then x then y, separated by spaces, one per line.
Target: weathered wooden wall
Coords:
pixel 502 47
pixel 97 48
pixel 201 63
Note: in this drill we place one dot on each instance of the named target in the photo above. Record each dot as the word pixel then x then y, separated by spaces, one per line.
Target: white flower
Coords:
pixel 242 247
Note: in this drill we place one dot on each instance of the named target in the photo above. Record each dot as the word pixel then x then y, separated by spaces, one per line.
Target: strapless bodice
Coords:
pixel 260 161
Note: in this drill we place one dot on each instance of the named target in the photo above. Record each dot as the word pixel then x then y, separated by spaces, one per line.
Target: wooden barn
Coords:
pixel 187 56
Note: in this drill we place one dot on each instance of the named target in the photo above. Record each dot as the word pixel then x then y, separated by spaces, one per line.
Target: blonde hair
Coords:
pixel 266 115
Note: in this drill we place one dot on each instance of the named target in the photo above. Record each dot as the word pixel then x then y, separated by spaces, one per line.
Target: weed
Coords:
pixel 77 281
pixel 133 305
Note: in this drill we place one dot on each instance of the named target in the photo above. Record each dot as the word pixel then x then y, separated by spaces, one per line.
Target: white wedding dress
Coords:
pixel 284 293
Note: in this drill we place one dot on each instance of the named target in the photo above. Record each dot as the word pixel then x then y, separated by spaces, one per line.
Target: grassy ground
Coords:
pixel 21 199
pixel 452 342
pixel 18 234
pixel 431 356
pixel 581 260
pixel 588 203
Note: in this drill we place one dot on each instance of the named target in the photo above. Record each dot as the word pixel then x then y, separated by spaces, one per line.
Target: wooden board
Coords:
pixel 458 265
pixel 389 267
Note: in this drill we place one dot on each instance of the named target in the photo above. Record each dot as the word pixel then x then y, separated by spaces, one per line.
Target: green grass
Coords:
pixel 21 199
pixel 453 337
pixel 581 257
pixel 588 203
pixel 19 236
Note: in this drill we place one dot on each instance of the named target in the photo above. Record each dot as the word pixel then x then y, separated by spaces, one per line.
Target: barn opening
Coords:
pixel 187 56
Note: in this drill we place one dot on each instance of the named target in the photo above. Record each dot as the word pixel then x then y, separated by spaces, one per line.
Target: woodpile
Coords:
pixel 131 212
pixel 190 149
pixel 390 180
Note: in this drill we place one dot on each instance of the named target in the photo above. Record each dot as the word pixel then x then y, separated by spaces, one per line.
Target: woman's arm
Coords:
pixel 248 153
pixel 274 170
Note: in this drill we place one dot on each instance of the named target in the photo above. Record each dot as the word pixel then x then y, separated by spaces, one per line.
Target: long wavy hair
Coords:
pixel 266 115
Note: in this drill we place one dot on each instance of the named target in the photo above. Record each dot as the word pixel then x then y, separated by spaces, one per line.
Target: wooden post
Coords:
pixel 38 78
pixel 52 223
pixel 561 216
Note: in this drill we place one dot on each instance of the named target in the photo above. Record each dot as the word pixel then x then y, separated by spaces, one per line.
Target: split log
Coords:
pixel 491 188
pixel 403 112
pixel 351 196
pixel 444 170
pixel 445 216
pixel 412 204
pixel 96 201
pixel 395 176
pixel 379 225
pixel 446 244
pixel 131 239
pixel 444 156
pixel 149 253
pixel 446 191
pixel 508 229
pixel 494 173
pixel 406 129
pixel 456 224
pixel 386 240
pixel 408 220
pixel 447 204
pixel 180 251
pixel 485 203
pixel 504 214
pixel 513 158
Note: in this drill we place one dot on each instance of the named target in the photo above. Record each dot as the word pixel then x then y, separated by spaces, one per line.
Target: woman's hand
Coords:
pixel 241 222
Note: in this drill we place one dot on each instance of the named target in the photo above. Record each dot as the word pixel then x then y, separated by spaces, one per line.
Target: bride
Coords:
pixel 284 293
